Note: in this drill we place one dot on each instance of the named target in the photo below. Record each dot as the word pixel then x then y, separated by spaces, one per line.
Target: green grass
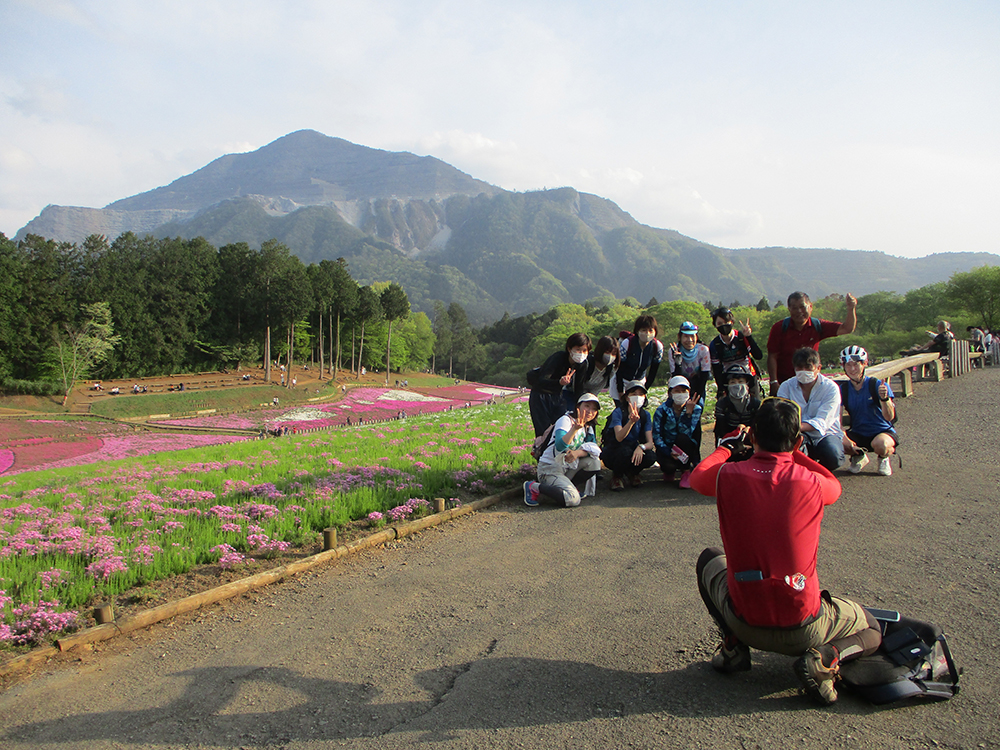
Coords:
pixel 230 398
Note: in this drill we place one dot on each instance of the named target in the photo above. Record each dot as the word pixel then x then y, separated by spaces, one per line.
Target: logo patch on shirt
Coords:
pixel 797 581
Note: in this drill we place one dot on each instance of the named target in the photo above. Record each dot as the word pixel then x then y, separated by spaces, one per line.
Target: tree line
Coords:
pixel 165 306
pixel 162 306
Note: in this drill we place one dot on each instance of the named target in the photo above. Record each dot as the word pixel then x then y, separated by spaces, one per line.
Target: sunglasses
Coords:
pixel 798 409
pixel 853 358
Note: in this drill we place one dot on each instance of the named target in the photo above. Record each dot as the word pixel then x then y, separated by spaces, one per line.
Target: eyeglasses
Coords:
pixel 853 358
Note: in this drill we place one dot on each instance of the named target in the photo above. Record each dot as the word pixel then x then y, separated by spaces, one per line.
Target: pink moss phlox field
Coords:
pixel 112 528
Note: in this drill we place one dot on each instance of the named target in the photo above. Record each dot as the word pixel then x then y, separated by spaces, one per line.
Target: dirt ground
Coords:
pixel 560 628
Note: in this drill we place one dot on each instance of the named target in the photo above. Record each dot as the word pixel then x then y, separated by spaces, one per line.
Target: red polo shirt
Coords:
pixel 784 341
pixel 770 508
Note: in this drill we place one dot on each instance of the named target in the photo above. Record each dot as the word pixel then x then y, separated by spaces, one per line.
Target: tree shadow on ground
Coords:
pixel 221 706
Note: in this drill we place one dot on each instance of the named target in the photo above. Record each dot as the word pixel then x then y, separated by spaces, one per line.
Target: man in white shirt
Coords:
pixel 819 399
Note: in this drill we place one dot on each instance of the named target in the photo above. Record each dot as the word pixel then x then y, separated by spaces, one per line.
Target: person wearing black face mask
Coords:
pixel 732 347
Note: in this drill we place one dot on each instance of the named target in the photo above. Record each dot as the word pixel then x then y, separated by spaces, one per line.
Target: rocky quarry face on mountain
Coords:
pixel 444 235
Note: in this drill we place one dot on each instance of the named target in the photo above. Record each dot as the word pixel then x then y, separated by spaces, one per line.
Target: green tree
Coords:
pixel 442 334
pixel 978 293
pixel 367 310
pixel 344 296
pixel 763 305
pixel 421 341
pixel 76 349
pixel 877 310
pixel 395 305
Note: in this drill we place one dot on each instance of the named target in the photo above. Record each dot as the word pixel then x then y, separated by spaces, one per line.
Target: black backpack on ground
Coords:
pixel 913 663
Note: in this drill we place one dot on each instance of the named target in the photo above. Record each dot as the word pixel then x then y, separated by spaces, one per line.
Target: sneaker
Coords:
pixel 617 483
pixel 729 660
pixel 884 466
pixel 531 493
pixel 817 678
pixel 636 480
pixel 685 483
pixel 858 462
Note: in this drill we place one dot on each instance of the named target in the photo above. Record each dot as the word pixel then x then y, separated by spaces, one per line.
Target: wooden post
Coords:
pixel 906 382
pixel 329 538
pixel 439 505
pixel 104 614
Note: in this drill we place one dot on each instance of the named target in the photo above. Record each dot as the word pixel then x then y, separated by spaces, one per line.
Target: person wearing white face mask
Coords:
pixel 677 431
pixel 628 438
pixel 552 384
pixel 640 354
pixel 600 367
pixel 819 399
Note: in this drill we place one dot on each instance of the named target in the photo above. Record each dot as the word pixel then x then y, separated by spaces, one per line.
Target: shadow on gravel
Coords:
pixel 217 706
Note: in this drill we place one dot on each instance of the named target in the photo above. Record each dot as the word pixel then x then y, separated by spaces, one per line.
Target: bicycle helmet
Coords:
pixel 853 354
pixel 688 327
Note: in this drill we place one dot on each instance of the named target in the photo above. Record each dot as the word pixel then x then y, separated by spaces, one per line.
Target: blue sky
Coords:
pixel 859 125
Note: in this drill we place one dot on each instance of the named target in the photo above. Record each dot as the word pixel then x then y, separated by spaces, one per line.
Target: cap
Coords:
pixel 631 385
pixel 677 380
pixel 588 397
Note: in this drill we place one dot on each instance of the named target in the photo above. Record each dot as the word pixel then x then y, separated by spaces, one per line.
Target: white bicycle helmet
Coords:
pixel 853 353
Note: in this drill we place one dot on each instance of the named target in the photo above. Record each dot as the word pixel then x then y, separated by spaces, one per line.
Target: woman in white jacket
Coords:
pixel 571 458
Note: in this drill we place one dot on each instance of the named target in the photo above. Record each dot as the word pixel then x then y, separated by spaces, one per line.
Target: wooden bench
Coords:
pixel 929 363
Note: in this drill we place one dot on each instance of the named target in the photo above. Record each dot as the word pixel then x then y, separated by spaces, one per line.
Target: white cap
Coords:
pixel 677 380
pixel 588 397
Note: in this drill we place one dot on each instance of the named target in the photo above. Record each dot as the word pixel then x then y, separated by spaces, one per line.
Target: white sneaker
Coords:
pixel 858 462
pixel 884 467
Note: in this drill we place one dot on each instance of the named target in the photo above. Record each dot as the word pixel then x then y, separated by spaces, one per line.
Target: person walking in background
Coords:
pixel 798 330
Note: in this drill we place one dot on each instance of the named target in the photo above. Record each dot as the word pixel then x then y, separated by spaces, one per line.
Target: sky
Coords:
pixel 863 125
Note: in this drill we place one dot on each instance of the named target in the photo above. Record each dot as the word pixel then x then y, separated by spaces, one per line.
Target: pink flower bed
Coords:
pixel 42 451
pixel 112 448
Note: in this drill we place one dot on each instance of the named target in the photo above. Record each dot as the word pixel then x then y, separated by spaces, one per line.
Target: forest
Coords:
pixel 173 305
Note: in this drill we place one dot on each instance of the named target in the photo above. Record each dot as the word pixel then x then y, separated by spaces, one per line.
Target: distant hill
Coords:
pixel 445 235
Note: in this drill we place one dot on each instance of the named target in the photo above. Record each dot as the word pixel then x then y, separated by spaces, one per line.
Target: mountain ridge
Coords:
pixel 443 234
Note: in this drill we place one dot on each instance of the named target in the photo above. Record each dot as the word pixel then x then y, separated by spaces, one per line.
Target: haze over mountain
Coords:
pixel 443 234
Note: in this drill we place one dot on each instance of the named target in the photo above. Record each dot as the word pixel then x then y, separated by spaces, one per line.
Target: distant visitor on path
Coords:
pixel 571 458
pixel 868 402
pixel 800 329
pixel 762 588
pixel 940 341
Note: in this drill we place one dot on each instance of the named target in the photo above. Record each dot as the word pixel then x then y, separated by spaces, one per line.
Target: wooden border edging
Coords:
pixel 235 588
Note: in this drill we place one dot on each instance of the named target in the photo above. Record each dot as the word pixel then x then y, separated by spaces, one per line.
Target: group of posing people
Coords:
pixel 761 588
pixel 565 410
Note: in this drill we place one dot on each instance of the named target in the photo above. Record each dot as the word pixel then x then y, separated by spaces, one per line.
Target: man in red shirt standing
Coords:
pixel 800 329
pixel 762 589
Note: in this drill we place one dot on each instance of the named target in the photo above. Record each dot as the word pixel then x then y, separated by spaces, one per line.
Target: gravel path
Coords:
pixel 561 628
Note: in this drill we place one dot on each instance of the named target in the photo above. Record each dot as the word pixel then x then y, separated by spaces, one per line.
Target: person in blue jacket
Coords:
pixel 677 431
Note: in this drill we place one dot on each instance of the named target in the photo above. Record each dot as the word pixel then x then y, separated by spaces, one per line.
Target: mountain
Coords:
pixel 445 235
